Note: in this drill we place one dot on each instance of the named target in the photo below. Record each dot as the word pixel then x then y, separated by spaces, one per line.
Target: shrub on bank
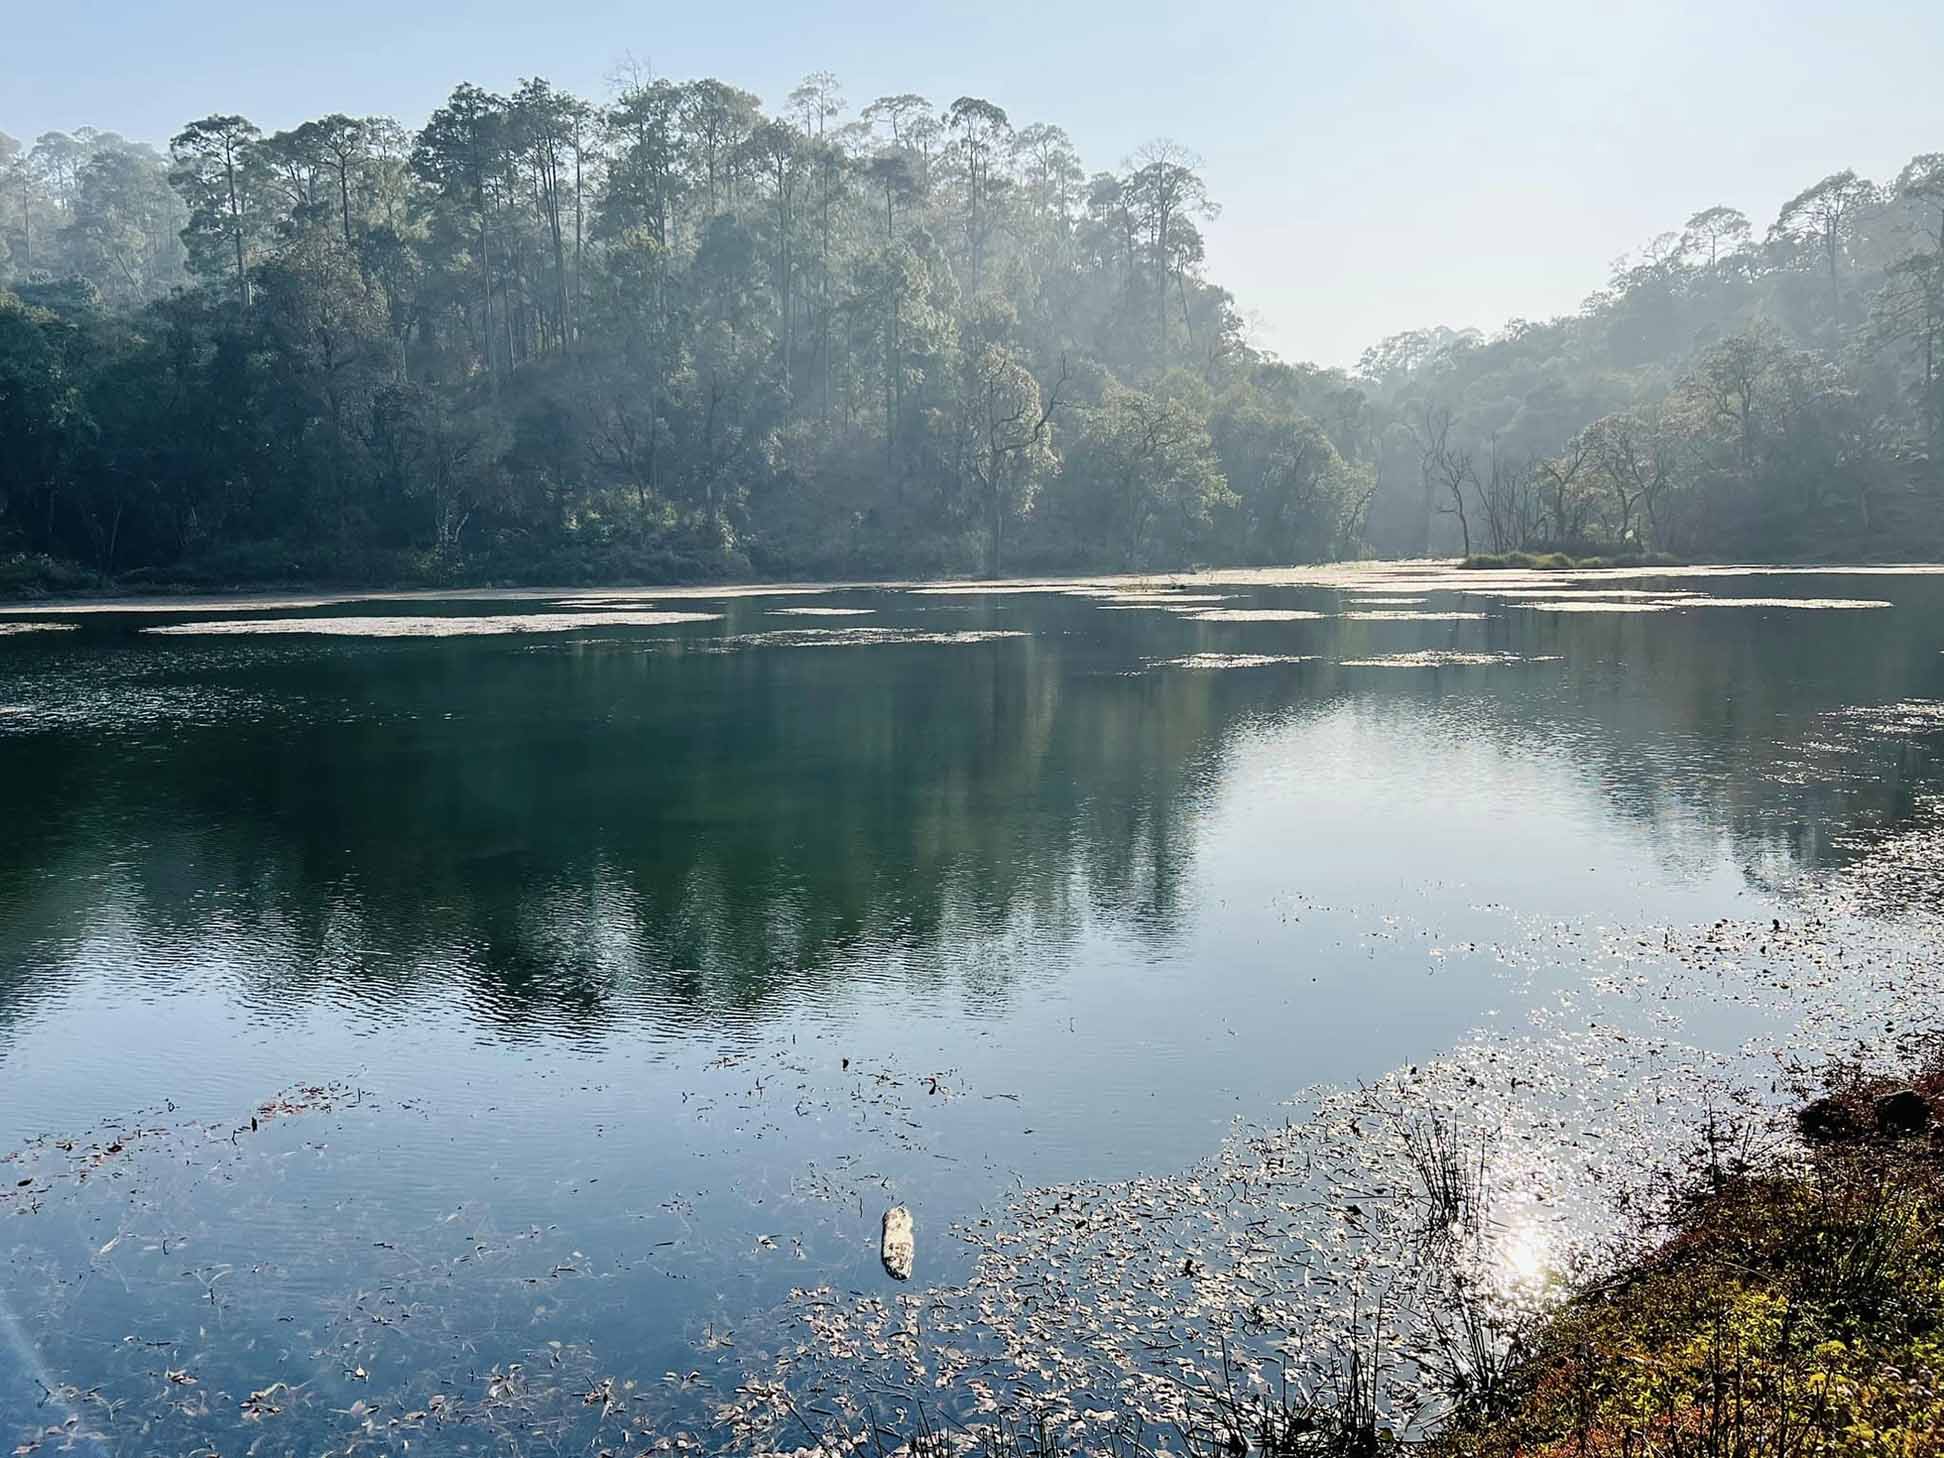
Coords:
pixel 1797 1308
pixel 34 574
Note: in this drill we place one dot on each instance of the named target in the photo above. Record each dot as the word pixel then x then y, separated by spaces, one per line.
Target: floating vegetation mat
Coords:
pixel 1417 576
pixel 1656 604
pixel 823 612
pixel 1414 576
pixel 846 638
pixel 1385 615
pixel 198 604
pixel 1588 605
pixel 1163 599
pixel 1232 660
pixel 1538 594
pixel 1446 658
pixel 1841 603
pixel 630 595
pixel 439 626
pixel 1255 615
pixel 1905 718
pixel 754 589
pixel 9 629
pixel 1013 589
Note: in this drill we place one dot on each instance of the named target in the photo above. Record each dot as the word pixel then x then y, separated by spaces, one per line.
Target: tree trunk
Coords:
pixel 995 497
pixel 579 232
pixel 236 233
pixel 486 299
pixel 891 387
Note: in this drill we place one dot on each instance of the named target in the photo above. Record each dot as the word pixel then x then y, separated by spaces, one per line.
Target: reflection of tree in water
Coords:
pixel 1716 724
pixel 572 833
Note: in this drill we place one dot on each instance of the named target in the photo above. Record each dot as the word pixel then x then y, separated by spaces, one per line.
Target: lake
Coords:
pixel 426 1016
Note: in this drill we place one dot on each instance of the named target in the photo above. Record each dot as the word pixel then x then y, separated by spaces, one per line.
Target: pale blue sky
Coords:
pixel 1381 166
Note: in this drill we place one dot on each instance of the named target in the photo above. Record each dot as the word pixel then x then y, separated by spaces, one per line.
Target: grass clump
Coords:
pixel 1797 1308
pixel 1449 1167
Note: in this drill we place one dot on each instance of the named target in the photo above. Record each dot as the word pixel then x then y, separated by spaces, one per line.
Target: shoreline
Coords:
pixel 1463 575
pixel 1794 1305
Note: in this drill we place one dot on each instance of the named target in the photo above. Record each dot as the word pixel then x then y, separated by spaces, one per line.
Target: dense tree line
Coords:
pixel 1729 394
pixel 676 334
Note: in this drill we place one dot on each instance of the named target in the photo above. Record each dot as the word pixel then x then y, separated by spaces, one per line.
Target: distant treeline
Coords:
pixel 673 335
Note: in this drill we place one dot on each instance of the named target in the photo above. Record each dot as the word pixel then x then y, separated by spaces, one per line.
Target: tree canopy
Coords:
pixel 672 334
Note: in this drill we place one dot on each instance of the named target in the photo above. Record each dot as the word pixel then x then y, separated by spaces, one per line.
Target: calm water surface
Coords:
pixel 651 962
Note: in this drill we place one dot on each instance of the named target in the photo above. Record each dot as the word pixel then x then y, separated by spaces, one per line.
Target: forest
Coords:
pixel 676 335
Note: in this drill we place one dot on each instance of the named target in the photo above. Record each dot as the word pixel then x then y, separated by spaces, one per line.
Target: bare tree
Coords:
pixel 1562 502
pixel 1634 458
pixel 1510 498
pixel 1444 468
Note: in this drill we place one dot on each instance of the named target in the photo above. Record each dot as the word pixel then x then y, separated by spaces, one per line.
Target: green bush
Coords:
pixel 24 574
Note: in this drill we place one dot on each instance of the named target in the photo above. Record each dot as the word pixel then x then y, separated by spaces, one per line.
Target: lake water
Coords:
pixel 616 974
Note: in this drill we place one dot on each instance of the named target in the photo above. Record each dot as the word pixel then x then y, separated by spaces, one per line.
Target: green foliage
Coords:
pixel 1795 1309
pixel 1720 399
pixel 22 575
pixel 677 336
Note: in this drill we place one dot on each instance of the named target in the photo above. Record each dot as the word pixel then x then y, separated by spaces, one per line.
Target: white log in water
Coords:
pixel 899 1246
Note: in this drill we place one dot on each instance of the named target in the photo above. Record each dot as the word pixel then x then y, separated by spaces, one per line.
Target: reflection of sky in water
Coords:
pixel 596 924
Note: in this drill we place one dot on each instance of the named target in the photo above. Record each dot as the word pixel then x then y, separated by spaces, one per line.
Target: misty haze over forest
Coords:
pixel 1083 739
pixel 680 334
